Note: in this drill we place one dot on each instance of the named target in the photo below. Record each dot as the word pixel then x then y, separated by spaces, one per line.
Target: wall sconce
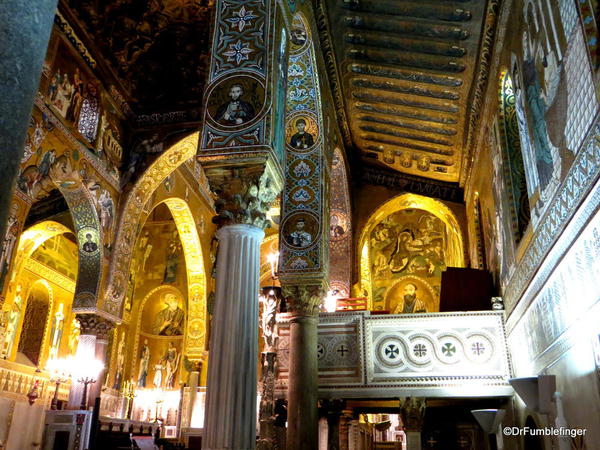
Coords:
pixel 490 421
pixel 536 392
pixel 539 394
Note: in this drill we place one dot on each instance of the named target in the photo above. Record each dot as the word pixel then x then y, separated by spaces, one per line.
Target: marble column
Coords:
pixel 86 350
pixel 232 370
pixel 25 28
pixel 345 420
pixel 303 303
pixel 412 411
pixel 93 341
pixel 334 410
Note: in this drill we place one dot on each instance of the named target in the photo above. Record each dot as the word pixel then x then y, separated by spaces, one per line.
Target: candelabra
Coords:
pixel 129 394
pixel 59 373
pixel 158 401
pixel 85 381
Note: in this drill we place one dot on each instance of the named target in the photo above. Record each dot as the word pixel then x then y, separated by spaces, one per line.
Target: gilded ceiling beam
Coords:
pixel 382 40
pixel 388 72
pixel 404 27
pixel 401 134
pixel 412 114
pixel 420 61
pixel 381 140
pixel 402 101
pixel 420 10
pixel 404 89
pixel 410 125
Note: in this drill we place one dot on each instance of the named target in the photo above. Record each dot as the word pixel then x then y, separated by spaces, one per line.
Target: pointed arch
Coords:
pixel 340 227
pixel 454 248
pixel 195 337
pixel 87 229
pixel 131 216
pixel 34 325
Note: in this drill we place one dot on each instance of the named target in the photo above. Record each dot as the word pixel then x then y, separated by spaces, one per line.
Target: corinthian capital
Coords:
pixel 95 325
pixel 412 410
pixel 244 193
pixel 303 300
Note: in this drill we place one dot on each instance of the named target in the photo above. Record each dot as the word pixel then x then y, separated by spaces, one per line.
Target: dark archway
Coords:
pixel 532 442
pixel 33 329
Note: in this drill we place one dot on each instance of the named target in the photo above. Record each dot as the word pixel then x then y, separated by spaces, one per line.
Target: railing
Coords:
pixel 16 380
pixel 352 304
pixel 435 354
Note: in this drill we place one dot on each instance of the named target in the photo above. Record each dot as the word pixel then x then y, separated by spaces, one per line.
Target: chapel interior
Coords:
pixel 300 224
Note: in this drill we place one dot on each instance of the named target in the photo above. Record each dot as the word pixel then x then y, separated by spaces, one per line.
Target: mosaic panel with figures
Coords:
pixel 408 248
pixel 302 229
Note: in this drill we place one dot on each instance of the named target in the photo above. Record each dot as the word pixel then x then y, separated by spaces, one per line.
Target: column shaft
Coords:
pixel 94 390
pixel 25 28
pixel 86 350
pixel 303 420
pixel 232 370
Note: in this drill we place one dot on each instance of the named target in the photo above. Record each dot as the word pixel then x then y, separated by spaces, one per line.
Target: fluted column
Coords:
pixel 303 303
pixel 25 29
pixel 231 389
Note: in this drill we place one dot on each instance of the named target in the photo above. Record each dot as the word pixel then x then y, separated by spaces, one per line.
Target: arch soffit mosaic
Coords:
pixel 131 215
pixel 31 239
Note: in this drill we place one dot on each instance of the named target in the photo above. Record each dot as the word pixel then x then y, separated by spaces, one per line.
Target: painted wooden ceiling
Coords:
pixel 156 49
pixel 406 70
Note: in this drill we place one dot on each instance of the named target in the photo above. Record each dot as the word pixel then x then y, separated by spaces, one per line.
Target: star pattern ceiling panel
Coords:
pixel 407 68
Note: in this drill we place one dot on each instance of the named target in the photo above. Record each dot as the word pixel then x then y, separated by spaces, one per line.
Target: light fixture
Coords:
pixel 330 303
pixel 85 371
pixel 273 260
pixel 490 420
pixel 59 370
pixel 539 394
pixel 536 392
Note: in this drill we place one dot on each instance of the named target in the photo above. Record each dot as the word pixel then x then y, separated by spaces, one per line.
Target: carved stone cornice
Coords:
pixel 244 192
pixel 95 325
pixel 480 85
pixel 410 183
pixel 333 74
pixel 304 300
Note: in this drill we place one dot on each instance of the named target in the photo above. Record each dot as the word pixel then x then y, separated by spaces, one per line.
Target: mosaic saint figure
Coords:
pixel 57 330
pixel 299 237
pixel 537 109
pixel 12 323
pixel 173 254
pixel 157 380
pixel 302 139
pixel 144 362
pixel 410 303
pixel 8 245
pixel 171 362
pixel 169 321
pixel 236 111
pixel 89 246
pixel 120 363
